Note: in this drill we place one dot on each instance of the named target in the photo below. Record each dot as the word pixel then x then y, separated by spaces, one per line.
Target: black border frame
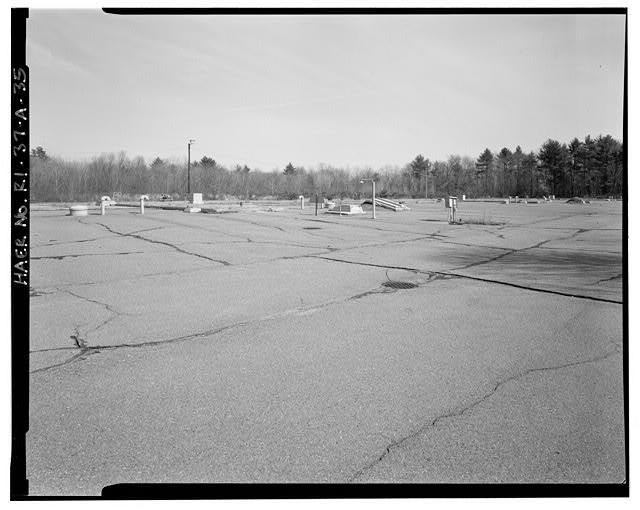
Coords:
pixel 20 224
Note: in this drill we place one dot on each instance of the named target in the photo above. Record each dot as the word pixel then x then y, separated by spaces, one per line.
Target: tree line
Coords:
pixel 589 168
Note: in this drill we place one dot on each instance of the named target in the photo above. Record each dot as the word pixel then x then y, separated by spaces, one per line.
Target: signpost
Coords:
pixel 451 203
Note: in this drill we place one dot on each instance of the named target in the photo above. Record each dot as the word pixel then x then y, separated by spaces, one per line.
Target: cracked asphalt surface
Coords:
pixel 263 347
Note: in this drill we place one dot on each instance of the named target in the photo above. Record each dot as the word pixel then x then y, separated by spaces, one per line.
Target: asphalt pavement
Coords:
pixel 271 346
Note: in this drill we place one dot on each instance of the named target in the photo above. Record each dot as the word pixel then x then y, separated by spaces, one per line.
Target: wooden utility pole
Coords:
pixel 189 167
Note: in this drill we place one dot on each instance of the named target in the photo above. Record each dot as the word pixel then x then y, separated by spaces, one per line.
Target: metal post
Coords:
pixel 142 199
pixel 316 204
pixel 373 193
pixel 189 167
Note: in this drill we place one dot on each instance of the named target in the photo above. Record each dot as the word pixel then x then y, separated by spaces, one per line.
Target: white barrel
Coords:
pixel 79 210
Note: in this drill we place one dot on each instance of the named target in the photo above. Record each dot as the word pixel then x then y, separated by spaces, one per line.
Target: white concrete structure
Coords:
pixel 197 198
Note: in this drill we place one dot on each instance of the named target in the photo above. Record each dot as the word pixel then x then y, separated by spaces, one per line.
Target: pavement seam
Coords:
pixel 460 411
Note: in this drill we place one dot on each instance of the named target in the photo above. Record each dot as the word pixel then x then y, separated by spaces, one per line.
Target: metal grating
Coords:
pixel 399 285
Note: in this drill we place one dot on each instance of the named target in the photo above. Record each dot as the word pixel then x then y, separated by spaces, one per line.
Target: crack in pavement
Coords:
pixel 135 236
pixel 517 227
pixel 331 249
pixel 517 250
pixel 582 248
pixel 390 290
pixel 382 290
pixel 167 221
pixel 199 334
pixel 486 280
pixel 240 220
pixel 114 314
pixel 60 257
pixel 251 241
pixel 433 237
pixel 608 279
pixel 299 311
pixel 554 218
pixel 470 245
pixel 393 227
pixel 42 292
pixel 97 348
pixel 73 242
pixel 144 230
pixel 80 343
pixel 88 351
pixel 95 301
pixel 534 289
pixel 53 349
pixel 371 264
pixel 431 423
pixel 432 275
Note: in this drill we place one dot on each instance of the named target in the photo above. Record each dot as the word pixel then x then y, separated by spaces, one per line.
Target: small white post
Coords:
pixel 142 199
pixel 373 194
pixel 103 204
pixel 301 197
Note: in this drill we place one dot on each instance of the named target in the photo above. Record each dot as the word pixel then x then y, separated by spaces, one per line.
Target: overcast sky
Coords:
pixel 342 90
